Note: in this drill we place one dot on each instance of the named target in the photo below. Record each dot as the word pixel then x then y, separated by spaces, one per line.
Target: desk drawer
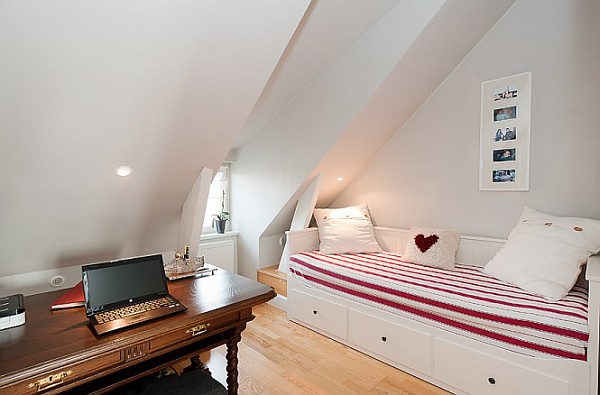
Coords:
pixel 196 330
pixel 62 377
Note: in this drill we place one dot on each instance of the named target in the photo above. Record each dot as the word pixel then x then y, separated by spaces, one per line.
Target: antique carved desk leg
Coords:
pixel 232 361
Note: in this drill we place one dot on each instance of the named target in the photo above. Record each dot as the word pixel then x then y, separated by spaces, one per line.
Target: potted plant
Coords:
pixel 220 220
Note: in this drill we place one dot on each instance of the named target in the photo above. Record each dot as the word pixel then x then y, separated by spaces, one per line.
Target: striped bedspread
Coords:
pixel 465 301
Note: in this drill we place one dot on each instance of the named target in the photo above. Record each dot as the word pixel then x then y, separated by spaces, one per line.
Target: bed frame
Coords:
pixel 455 363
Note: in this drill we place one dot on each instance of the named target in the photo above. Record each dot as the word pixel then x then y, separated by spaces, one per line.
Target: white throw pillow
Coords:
pixel 544 253
pixel 432 247
pixel 346 230
pixel 360 211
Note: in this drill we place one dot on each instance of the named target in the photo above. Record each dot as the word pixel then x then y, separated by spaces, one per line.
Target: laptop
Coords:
pixel 119 294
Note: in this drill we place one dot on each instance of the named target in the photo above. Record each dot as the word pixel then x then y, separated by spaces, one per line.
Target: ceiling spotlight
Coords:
pixel 123 171
pixel 340 178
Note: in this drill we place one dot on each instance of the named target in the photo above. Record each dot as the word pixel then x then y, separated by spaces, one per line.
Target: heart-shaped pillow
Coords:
pixel 432 247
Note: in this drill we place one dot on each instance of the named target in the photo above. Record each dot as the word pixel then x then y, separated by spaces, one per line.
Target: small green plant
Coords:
pixel 223 215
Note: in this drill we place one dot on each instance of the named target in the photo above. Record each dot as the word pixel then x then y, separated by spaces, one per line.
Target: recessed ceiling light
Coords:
pixel 123 171
pixel 340 178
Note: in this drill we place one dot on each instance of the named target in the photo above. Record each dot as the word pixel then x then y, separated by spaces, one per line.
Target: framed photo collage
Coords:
pixel 505 133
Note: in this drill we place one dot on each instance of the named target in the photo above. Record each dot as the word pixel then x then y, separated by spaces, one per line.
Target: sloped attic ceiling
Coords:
pixel 329 28
pixel 89 86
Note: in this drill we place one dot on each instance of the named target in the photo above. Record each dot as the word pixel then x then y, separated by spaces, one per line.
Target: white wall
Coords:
pixel 270 167
pixel 192 214
pixel 427 174
pixel 451 34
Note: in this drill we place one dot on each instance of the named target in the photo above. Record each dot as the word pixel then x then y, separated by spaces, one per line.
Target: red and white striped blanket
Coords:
pixel 465 301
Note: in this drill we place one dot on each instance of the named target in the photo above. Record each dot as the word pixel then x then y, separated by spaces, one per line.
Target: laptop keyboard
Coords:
pixel 138 308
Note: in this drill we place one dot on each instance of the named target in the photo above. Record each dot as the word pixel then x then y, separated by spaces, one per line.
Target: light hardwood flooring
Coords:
pixel 277 356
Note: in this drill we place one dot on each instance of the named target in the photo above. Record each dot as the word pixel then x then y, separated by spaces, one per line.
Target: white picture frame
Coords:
pixel 505 133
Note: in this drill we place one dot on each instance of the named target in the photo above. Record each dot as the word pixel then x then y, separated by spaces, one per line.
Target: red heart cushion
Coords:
pixel 425 243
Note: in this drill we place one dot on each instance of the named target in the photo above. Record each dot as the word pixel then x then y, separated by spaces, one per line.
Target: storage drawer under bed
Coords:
pixel 398 343
pixel 477 373
pixel 319 313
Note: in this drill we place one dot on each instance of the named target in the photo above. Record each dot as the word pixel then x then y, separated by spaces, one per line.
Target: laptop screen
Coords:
pixel 128 280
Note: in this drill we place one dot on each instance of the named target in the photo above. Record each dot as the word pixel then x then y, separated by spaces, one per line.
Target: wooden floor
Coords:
pixel 277 356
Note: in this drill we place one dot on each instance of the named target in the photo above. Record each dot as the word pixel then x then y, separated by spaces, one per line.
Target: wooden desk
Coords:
pixel 56 351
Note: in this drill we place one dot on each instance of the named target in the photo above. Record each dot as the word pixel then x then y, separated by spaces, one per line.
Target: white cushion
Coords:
pixel 346 230
pixel 544 253
pixel 360 211
pixel 432 247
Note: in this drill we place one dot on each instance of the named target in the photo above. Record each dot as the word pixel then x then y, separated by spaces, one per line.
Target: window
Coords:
pixel 218 198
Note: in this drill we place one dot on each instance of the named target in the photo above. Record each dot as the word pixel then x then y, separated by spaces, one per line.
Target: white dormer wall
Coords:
pixel 333 111
pixel 427 174
pixel 271 165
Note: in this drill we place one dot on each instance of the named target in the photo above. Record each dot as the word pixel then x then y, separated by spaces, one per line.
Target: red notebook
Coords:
pixel 72 298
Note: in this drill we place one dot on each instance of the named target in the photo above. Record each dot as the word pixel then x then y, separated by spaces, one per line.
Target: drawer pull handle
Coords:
pixel 383 338
pixel 51 381
pixel 491 380
pixel 315 312
pixel 198 330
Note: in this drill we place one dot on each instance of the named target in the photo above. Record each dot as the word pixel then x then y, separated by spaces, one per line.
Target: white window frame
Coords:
pixel 224 185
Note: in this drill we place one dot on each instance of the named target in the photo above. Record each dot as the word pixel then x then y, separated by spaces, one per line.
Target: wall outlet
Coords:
pixel 57 281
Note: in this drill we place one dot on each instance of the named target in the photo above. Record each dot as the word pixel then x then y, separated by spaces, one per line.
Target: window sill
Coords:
pixel 216 236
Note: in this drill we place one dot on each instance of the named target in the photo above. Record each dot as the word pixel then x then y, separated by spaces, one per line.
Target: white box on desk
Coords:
pixel 12 311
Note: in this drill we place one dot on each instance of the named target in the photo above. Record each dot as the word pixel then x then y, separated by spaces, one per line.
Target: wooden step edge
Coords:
pixel 273 278
pixel 273 272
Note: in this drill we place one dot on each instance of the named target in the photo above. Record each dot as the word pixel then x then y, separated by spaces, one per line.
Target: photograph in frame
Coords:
pixel 505 134
pixel 503 93
pixel 505 113
pixel 504 176
pixel 504 155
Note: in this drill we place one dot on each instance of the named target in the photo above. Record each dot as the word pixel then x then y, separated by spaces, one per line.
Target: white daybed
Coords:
pixel 456 363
